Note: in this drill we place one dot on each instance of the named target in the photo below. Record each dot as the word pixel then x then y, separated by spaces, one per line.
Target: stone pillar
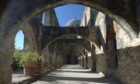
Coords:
pixel 58 61
pixel 137 4
pixel 49 61
pixel 50 18
pixel 85 59
pixel 5 67
pixel 111 48
pixel 93 59
pixel 86 62
pixel 46 18
pixel 45 63
pixel 80 60
pixel 53 59
pixel 61 61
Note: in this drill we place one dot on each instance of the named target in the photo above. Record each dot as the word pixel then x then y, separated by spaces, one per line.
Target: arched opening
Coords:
pixel 24 53
pixel 17 55
pixel 25 15
pixel 81 50
pixel 71 59
pixel 19 40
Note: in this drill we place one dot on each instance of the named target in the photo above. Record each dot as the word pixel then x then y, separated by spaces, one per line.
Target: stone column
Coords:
pixel 80 60
pixel 45 63
pixel 49 61
pixel 111 48
pixel 93 59
pixel 58 61
pixel 54 60
pixel 86 62
pixel 53 57
pixel 61 61
pixel 85 59
pixel 47 18
pixel 137 5
pixel 50 18
pixel 5 66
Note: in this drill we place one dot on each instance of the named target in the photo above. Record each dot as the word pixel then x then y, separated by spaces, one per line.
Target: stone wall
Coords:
pixel 86 17
pixel 122 36
pixel 101 63
pixel 129 63
pixel 101 23
pixel 128 46
pixel 25 9
pixel 89 62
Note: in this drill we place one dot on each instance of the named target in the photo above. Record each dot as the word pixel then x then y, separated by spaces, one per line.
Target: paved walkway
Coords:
pixel 74 74
pixel 18 77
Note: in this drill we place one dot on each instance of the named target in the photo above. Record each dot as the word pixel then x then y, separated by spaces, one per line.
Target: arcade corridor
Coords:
pixel 104 38
pixel 75 74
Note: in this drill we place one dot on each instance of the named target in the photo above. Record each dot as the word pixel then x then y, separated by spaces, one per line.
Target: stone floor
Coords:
pixel 18 77
pixel 74 74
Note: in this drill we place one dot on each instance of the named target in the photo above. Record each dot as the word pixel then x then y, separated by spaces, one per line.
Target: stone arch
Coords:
pixel 22 13
pixel 97 47
pixel 8 48
pixel 76 53
pixel 34 10
pixel 52 42
pixel 94 59
pixel 9 42
pixel 37 6
pixel 29 34
pixel 88 49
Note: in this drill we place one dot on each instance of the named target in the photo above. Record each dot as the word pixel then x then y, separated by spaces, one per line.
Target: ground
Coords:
pixel 74 74
pixel 18 77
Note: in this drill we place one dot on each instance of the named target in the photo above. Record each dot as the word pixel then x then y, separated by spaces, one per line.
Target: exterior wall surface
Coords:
pixel 129 63
pixel 128 46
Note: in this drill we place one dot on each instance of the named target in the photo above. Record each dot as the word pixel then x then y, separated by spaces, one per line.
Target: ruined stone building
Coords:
pixel 105 41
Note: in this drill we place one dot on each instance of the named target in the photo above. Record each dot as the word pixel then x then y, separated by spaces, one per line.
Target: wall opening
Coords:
pixel 17 55
pixel 71 59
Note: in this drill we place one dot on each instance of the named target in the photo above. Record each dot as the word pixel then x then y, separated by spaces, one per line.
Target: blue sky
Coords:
pixel 19 40
pixel 64 14
pixel 68 12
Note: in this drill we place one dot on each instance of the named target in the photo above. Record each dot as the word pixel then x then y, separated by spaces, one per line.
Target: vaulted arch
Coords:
pixel 18 12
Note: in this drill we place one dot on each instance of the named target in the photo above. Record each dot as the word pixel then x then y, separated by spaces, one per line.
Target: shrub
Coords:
pixel 22 58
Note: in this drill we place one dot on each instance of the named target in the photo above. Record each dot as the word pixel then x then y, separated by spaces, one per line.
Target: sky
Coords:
pixel 19 40
pixel 64 14
pixel 67 12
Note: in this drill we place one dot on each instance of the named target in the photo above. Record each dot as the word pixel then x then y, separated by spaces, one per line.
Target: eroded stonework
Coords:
pixel 109 42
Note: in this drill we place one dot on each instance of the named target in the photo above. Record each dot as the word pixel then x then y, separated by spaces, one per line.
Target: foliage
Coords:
pixel 22 58
pixel 29 57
